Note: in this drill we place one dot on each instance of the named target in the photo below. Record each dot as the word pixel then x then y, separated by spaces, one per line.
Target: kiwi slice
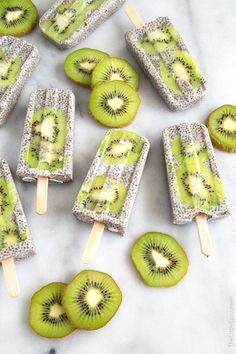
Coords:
pixel 17 17
pixel 47 314
pixel 10 235
pixel 159 40
pixel 198 188
pixel 67 19
pixel 48 138
pixel 186 152
pixel 115 69
pixel 121 148
pixel 103 194
pixel 181 67
pixel 9 70
pixel 8 199
pixel 79 64
pixel 114 103
pixel 159 259
pixel 91 299
pixel 221 125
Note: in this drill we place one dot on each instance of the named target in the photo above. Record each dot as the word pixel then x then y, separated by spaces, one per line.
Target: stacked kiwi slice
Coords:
pixel 88 302
pixel 17 17
pixel 159 259
pixel 114 100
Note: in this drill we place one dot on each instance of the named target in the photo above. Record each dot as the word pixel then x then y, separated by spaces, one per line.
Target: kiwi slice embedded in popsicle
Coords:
pixel 9 70
pixel 159 259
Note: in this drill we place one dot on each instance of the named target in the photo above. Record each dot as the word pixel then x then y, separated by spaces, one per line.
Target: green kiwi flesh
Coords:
pixel 159 40
pixel 114 103
pixel 221 125
pixel 8 200
pixel 48 138
pixel 159 259
pixel 11 235
pixel 182 67
pixel 114 69
pixel 69 17
pixel 47 314
pixel 185 152
pixel 121 148
pixel 17 17
pixel 79 64
pixel 91 299
pixel 103 194
pixel 9 70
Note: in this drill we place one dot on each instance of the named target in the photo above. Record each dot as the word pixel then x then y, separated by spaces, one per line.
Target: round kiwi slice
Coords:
pixel 67 19
pixel 121 148
pixel 221 125
pixel 181 67
pixel 184 151
pixel 91 299
pixel 8 199
pixel 159 40
pixel 79 64
pixel 159 259
pixel 17 17
pixel 48 135
pixel 115 69
pixel 9 70
pixel 10 235
pixel 47 314
pixel 103 194
pixel 199 188
pixel 114 103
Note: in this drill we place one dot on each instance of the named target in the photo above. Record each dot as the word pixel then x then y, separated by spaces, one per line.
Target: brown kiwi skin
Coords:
pixel 216 143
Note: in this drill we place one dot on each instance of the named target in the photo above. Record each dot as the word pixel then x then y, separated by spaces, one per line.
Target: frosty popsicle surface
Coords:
pixel 15 239
pixel 18 58
pixel 194 181
pixel 47 143
pixel 164 57
pixel 108 192
pixel 68 22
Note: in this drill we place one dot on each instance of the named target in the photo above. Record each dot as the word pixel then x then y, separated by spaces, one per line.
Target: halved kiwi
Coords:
pixel 17 17
pixel 79 64
pixel 161 39
pixel 103 194
pixel 48 135
pixel 47 314
pixel 197 186
pixel 159 259
pixel 8 199
pixel 181 67
pixel 91 299
pixel 121 147
pixel 10 235
pixel 9 70
pixel 221 125
pixel 115 69
pixel 114 103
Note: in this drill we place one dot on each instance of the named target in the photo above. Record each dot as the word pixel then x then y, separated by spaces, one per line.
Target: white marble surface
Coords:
pixel 193 317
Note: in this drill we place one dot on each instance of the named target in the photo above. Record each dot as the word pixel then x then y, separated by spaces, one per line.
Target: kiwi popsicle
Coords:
pixel 18 59
pixel 15 240
pixel 107 195
pixel 196 189
pixel 165 59
pixel 67 23
pixel 47 143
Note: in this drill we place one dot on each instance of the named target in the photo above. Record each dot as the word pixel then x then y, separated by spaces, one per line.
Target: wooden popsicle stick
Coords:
pixel 93 242
pixel 134 16
pixel 42 195
pixel 203 233
pixel 10 276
